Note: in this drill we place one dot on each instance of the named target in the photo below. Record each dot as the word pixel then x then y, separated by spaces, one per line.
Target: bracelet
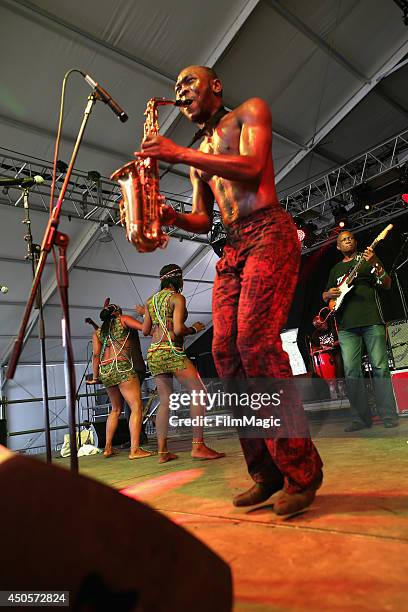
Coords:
pixel 194 330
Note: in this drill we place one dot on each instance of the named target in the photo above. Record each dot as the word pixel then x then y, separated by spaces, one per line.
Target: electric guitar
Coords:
pixel 346 284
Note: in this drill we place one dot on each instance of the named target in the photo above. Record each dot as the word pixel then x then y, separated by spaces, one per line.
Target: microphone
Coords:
pixel 4 289
pixel 106 98
pixel 22 182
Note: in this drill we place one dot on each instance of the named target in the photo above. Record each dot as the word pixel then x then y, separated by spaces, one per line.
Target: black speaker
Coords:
pixel 311 387
pixel 398 338
pixel 122 435
pixel 3 432
pixel 69 533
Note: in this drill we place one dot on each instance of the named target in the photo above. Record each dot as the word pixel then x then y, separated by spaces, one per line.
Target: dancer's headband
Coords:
pixel 171 274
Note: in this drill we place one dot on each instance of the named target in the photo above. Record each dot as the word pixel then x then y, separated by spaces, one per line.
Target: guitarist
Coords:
pixel 359 319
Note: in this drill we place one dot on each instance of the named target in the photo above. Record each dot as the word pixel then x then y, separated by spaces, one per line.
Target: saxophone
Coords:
pixel 139 183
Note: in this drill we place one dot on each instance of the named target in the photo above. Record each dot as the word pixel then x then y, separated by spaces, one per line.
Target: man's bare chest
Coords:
pixel 219 143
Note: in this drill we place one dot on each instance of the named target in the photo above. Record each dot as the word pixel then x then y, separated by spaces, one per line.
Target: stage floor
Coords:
pixel 349 551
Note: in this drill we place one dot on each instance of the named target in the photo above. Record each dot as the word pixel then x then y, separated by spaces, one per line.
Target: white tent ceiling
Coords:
pixel 320 65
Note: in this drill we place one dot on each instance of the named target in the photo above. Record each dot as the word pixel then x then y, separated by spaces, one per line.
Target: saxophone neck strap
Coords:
pixel 210 125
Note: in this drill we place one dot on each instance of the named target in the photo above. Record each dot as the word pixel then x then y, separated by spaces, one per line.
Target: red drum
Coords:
pixel 324 363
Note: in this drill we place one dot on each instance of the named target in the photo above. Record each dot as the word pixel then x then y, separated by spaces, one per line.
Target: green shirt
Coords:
pixel 359 307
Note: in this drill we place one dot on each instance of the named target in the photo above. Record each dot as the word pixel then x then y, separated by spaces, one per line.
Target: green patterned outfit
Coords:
pixel 164 356
pixel 120 369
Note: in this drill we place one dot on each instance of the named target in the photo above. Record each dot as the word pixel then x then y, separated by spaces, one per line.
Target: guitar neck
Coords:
pixel 351 276
pixel 354 271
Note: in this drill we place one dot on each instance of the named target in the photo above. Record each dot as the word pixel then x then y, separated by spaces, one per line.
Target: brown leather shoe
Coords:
pixel 257 494
pixel 290 503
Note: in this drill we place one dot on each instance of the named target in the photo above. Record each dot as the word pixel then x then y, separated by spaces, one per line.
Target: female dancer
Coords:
pixel 165 313
pixel 113 367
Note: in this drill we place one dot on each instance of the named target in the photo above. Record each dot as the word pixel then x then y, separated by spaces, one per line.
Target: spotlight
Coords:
pixel 305 232
pixel 62 167
pixel 301 234
pixel 300 225
pixel 94 175
pixel 367 206
pixel 340 217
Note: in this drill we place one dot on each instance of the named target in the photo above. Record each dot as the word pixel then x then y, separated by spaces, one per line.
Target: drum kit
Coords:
pixel 324 361
pixel 326 357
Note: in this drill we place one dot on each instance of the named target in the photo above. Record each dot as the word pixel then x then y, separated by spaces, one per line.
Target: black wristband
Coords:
pixel 194 331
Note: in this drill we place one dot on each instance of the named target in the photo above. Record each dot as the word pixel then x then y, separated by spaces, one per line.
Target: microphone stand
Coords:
pixel 51 238
pixel 33 253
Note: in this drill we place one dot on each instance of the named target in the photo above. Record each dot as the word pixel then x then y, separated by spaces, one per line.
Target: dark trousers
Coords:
pixel 253 291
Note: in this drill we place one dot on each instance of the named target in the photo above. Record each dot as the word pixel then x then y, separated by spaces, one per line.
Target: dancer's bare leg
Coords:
pixel 116 401
pixel 130 390
pixel 190 378
pixel 164 384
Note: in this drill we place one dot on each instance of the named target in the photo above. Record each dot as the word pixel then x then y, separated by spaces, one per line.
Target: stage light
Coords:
pixel 340 216
pixel 300 226
pixel 62 167
pixel 94 175
pixel 305 232
pixel 367 206
pixel 301 234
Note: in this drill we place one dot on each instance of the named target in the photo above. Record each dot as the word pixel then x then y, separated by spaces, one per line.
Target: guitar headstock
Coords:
pixel 385 231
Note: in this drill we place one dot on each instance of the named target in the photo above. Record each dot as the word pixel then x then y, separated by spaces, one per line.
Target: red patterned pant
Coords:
pixel 253 291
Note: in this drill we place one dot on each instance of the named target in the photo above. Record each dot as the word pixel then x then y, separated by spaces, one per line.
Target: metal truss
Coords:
pixel 381 213
pixel 318 201
pixel 87 193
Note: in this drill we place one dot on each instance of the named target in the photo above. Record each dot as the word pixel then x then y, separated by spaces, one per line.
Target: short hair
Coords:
pixel 212 75
pixel 210 72
pixel 171 275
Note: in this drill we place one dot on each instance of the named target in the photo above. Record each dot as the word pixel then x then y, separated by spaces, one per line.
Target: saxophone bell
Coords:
pixel 139 183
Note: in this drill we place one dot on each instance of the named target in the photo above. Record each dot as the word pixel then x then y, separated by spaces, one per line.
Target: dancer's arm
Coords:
pixel 131 322
pixel 96 349
pixel 179 316
pixel 147 322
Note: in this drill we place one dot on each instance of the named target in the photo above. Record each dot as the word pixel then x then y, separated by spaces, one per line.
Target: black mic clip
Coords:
pixel 102 94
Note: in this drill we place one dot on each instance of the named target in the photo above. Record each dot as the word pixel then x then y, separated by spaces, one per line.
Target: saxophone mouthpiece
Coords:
pixel 183 102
